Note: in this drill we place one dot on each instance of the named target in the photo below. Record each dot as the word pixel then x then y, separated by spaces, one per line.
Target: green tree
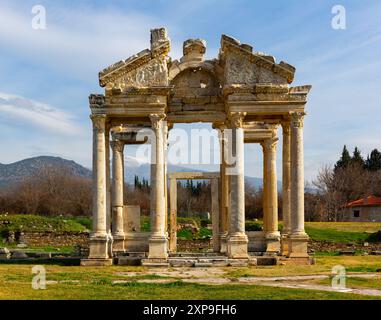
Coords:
pixel 345 159
pixel 357 157
pixel 373 161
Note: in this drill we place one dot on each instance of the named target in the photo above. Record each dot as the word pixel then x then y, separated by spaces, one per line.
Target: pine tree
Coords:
pixel 373 161
pixel 345 159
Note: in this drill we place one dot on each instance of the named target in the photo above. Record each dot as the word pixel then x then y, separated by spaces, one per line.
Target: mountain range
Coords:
pixel 15 172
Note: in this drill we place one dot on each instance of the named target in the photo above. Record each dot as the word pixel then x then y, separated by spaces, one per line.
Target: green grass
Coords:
pixel 96 283
pixel 342 232
pixel 337 236
pixel 36 223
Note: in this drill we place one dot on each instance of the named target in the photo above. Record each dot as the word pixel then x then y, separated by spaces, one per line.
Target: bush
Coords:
pixel 253 226
pixel 375 237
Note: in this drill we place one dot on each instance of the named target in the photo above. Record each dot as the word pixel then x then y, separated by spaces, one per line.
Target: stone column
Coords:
pixel 224 191
pixel 117 194
pixel 298 238
pixel 165 176
pixel 99 253
pixel 271 221
pixel 265 189
pixel 215 214
pixel 286 186
pixel 173 215
pixel 237 243
pixel 158 240
pixel 108 190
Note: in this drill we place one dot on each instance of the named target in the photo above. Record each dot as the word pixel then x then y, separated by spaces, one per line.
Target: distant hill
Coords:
pixel 14 172
pixel 143 171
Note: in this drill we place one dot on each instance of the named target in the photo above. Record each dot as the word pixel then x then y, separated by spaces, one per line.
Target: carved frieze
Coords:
pixel 154 73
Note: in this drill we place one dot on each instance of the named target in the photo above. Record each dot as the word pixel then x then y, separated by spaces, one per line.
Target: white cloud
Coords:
pixel 22 110
pixel 79 41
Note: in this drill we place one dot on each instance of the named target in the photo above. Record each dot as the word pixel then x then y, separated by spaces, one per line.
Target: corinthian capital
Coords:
pixel 99 121
pixel 156 120
pixel 117 145
pixel 297 119
pixel 236 119
pixel 269 145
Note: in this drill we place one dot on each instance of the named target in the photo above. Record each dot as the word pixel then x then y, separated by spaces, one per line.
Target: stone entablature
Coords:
pixel 246 95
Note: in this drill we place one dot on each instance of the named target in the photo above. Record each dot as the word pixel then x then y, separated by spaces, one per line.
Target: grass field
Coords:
pixel 72 282
pixel 341 232
pixel 97 283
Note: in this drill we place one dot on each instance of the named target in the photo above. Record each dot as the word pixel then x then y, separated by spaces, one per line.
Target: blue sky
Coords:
pixel 47 75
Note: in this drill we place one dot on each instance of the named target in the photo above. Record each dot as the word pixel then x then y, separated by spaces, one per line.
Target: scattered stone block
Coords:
pixel 4 254
pixel 19 255
pixel 347 252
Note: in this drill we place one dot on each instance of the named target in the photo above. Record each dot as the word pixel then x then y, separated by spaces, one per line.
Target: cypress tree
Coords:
pixel 373 161
pixel 345 159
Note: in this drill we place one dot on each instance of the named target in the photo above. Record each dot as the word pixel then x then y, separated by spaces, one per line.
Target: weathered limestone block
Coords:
pixel 257 241
pixel 131 218
pixel 4 254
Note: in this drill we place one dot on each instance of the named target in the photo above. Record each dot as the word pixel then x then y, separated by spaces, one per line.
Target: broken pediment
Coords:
pixel 145 69
pixel 243 66
pixel 192 75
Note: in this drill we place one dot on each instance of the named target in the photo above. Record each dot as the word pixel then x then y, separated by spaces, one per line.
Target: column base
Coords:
pixel 158 247
pixel 223 242
pixel 118 243
pixel 272 240
pixel 297 246
pixel 237 246
pixel 284 244
pixel 99 246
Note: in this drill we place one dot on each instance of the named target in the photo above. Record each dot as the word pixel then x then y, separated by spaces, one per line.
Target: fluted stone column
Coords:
pixel 286 186
pixel 237 242
pixel 158 240
pixel 108 190
pixel 117 194
pixel 215 214
pixel 298 238
pixel 272 234
pixel 224 191
pixel 99 253
pixel 173 215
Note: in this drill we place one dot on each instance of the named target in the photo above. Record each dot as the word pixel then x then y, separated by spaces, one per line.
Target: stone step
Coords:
pixel 266 261
pixel 203 264
pixel 155 263
pixel 178 262
pixel 129 261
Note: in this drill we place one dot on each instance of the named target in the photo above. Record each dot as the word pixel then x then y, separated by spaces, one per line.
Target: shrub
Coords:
pixel 375 237
pixel 253 226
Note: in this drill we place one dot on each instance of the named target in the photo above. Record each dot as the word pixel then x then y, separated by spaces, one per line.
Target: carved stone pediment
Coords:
pixel 243 66
pixel 193 87
pixel 145 69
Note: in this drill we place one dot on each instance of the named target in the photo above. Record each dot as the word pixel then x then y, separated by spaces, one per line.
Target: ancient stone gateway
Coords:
pixel 246 95
pixel 214 177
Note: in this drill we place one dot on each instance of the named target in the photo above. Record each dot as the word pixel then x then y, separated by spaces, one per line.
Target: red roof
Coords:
pixel 367 201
